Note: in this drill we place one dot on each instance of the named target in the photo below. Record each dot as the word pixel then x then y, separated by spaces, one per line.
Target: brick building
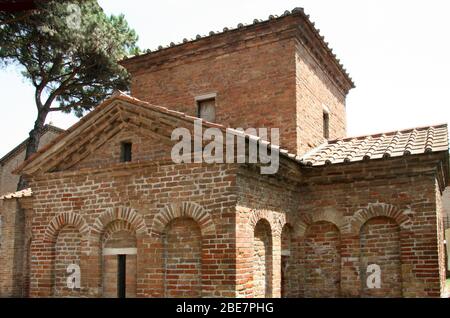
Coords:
pixel 10 161
pixel 107 197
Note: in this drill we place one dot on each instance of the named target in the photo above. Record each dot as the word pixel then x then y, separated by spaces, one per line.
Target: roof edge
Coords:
pixel 23 144
pixel 298 11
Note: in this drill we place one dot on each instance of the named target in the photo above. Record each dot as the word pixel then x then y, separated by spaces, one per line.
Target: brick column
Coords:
pixel 276 266
pixel 12 249
pixel 350 266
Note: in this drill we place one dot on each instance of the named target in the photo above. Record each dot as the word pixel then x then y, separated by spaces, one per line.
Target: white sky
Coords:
pixel 397 52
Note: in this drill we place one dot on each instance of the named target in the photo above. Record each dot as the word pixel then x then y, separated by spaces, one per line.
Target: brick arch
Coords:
pixel 332 216
pixel 184 209
pixel 276 220
pixel 377 210
pixel 126 214
pixel 116 226
pixel 65 219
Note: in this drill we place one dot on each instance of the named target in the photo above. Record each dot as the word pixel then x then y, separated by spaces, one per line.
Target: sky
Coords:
pixel 397 52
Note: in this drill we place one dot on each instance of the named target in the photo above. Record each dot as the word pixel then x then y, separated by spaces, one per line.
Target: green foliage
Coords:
pixel 69 51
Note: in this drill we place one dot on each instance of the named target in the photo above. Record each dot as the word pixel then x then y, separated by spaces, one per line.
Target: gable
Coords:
pixel 144 148
pixel 94 139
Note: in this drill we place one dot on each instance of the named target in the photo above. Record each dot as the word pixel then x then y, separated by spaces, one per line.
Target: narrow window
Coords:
pixel 121 275
pixel 125 151
pixel 326 125
pixel 206 109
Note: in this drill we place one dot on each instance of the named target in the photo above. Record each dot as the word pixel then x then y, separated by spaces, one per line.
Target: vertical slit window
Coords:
pixel 125 151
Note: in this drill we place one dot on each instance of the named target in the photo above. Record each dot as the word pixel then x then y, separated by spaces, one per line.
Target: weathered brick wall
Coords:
pixel 254 83
pixel 262 261
pixel 67 251
pixel 182 260
pixel 316 91
pixel 322 255
pixel 263 77
pixel 353 197
pixel 11 249
pixel 262 211
pixel 144 148
pixel 380 244
pixel 146 197
pixel 441 238
pixel 8 181
pixel 342 219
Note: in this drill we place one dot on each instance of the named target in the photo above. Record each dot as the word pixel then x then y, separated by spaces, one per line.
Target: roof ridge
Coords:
pixel 416 141
pixel 402 131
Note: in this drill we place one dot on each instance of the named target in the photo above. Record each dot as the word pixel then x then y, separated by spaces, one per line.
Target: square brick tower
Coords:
pixel 277 73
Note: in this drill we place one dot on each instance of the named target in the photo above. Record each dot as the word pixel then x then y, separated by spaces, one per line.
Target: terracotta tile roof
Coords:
pixel 391 144
pixel 18 194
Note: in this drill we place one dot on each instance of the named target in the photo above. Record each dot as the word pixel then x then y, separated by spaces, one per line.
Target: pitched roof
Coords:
pixel 320 47
pixel 103 116
pixel 23 144
pixel 346 150
pixel 385 145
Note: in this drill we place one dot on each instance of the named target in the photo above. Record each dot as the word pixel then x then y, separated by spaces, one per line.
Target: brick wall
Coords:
pixel 182 259
pixel 263 77
pixel 146 197
pixel 251 82
pixel 213 230
pixel 322 260
pixel 144 148
pixel 446 207
pixel 380 245
pixel 11 249
pixel 354 198
pixel 67 251
pixel 336 222
pixel 262 261
pixel 316 92
pixel 263 203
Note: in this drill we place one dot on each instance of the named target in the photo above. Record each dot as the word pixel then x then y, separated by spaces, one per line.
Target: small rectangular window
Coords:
pixel 125 151
pixel 326 125
pixel 206 109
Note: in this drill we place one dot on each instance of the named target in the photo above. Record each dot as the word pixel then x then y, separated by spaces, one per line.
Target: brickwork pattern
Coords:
pixel 322 266
pixel 380 245
pixel 182 259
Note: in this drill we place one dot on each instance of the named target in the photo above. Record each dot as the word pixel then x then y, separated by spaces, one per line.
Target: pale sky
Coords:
pixel 397 52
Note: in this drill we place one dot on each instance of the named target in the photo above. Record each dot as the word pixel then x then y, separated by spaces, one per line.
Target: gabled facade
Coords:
pixel 107 201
